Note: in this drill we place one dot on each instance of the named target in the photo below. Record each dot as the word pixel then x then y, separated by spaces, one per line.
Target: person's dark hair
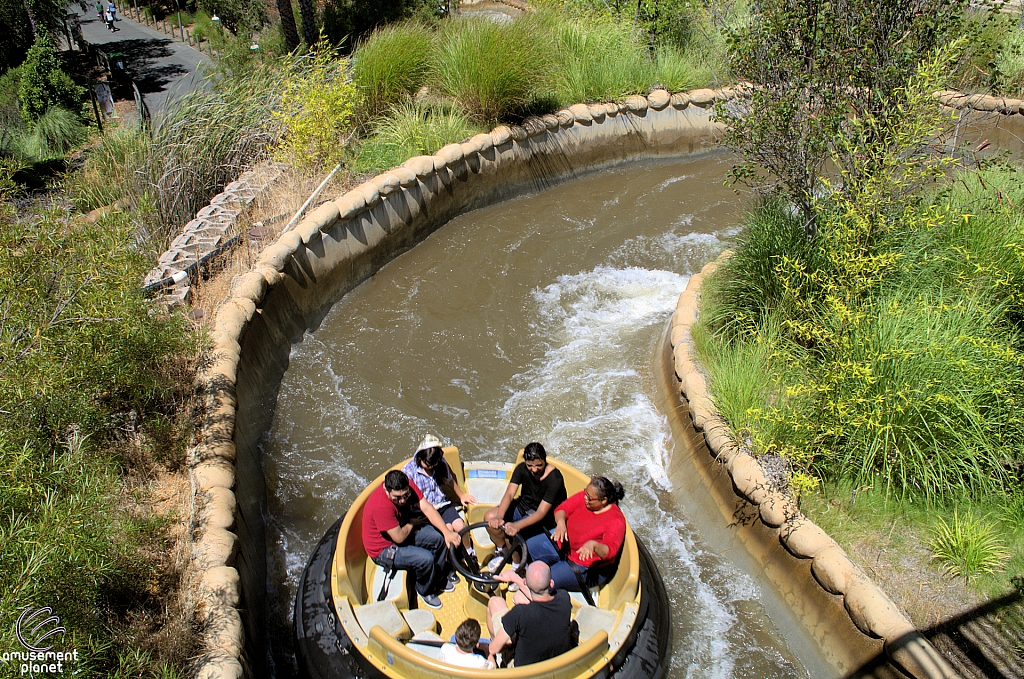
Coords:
pixel 467 635
pixel 610 490
pixel 396 480
pixel 535 451
pixel 431 456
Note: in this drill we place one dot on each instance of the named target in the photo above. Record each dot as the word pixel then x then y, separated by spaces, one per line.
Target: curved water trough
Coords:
pixel 341 244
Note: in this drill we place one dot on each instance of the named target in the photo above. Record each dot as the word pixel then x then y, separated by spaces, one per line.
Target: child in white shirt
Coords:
pixel 467 636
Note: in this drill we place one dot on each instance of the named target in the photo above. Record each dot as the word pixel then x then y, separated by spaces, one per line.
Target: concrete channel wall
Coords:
pixel 342 243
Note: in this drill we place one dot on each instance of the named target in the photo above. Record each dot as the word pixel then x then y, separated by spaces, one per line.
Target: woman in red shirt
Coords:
pixel 595 528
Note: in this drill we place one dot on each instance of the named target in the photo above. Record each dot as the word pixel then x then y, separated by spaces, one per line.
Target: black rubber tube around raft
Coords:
pixel 324 651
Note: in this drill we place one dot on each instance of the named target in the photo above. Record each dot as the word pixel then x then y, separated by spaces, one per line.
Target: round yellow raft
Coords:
pixel 342 630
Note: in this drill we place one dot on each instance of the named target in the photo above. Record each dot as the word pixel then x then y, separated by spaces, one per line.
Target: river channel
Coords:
pixel 533 319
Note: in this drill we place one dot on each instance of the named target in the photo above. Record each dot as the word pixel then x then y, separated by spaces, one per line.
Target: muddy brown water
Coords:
pixel 534 319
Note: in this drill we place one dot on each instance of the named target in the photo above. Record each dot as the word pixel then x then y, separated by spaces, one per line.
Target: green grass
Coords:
pixel 412 130
pixel 392 64
pixel 917 391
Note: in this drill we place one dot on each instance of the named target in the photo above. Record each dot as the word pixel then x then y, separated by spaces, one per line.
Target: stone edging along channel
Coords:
pixel 207 234
pixel 870 609
pixel 344 242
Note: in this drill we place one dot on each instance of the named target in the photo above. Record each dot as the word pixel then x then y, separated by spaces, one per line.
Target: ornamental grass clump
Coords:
pixel 188 153
pixel 967 546
pixel 412 130
pixel 600 60
pixel 392 64
pixel 494 71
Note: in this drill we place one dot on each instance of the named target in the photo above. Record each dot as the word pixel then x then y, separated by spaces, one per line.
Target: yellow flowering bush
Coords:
pixel 317 109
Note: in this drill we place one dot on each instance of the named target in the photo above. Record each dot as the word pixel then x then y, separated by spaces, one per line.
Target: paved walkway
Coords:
pixel 162 68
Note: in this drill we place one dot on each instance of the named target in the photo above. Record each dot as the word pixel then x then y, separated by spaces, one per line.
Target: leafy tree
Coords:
pixel 238 16
pixel 44 82
pixel 814 66
pixel 21 22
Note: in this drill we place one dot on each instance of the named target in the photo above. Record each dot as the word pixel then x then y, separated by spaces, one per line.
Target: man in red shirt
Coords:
pixel 395 533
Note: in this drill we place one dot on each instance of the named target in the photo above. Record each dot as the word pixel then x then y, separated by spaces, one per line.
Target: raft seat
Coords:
pixel 578 597
pixel 420 620
pixel 398 590
pixel 385 615
pixel 592 620
pixel 431 650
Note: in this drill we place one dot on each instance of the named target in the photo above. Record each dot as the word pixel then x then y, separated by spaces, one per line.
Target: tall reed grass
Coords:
pixel 392 64
pixel 190 152
pixel 494 71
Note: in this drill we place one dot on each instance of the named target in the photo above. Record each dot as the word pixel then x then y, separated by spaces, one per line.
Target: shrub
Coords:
pixel 44 82
pixel 317 109
pixel 493 70
pixel 409 131
pixel 987 31
pixel 392 64
pixel 10 85
pixel 82 359
pixel 967 546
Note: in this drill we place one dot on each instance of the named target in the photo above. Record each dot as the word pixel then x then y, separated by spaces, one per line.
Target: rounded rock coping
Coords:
pixel 869 608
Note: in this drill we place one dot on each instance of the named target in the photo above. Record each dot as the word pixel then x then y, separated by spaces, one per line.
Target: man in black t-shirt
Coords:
pixel 542 488
pixel 540 622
